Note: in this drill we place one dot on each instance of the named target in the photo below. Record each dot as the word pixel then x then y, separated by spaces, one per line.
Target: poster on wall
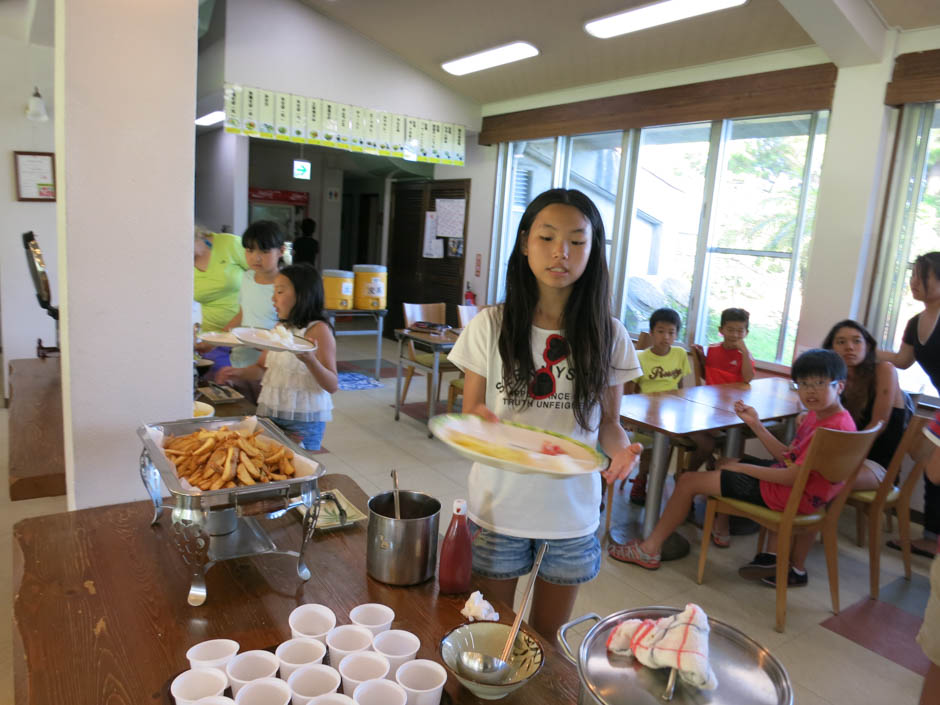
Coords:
pixel 266 114
pixel 35 176
pixel 298 119
pixel 233 108
pixel 250 124
pixel 282 105
pixel 433 245
pixel 450 216
pixel 255 112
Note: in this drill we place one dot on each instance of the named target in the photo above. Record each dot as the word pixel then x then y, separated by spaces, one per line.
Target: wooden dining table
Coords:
pixel 101 616
pixel 668 415
pixel 436 344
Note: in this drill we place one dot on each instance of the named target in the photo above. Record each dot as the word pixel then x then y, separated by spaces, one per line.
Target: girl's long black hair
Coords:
pixel 861 393
pixel 586 321
pixel 308 288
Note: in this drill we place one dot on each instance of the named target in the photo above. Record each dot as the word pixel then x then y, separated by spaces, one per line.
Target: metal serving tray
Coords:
pixel 154 457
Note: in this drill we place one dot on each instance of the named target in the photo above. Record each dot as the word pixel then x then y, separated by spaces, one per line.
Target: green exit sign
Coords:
pixel 301 169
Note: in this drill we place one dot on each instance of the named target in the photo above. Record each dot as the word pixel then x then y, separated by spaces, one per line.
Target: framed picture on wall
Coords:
pixel 35 176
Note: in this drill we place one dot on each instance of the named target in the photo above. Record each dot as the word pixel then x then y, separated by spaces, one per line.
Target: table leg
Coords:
pixel 432 397
pixel 734 444
pixel 378 345
pixel 401 349
pixel 659 466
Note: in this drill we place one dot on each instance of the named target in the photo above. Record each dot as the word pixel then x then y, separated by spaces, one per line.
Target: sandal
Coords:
pixel 721 541
pixel 630 552
pixel 638 492
pixel 916 550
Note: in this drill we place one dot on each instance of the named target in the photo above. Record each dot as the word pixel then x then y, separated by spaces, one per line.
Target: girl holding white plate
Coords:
pixel 550 356
pixel 296 387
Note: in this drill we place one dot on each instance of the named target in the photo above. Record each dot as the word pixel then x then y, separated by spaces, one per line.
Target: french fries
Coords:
pixel 213 460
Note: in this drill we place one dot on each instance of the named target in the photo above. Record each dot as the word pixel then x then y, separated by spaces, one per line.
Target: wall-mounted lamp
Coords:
pixel 36 109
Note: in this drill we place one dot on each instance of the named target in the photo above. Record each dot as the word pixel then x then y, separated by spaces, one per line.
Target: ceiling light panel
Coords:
pixel 653 15
pixel 491 57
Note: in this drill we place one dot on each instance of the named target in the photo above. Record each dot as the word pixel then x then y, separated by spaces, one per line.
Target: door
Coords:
pixel 411 277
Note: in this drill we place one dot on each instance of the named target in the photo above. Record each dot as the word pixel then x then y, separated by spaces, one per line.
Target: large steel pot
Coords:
pixel 402 551
pixel 747 673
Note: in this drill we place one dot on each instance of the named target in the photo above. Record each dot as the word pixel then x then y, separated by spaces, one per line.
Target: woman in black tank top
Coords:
pixel 871 395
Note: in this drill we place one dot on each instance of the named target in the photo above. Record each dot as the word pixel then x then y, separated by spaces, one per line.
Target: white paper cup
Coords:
pixel 373 616
pixel 250 666
pixel 294 653
pixel 215 653
pixel 215 700
pixel 264 691
pixel 423 680
pixel 309 682
pixel 197 683
pixel 346 639
pixel 397 646
pixel 313 621
pixel 380 692
pixel 333 699
pixel 361 666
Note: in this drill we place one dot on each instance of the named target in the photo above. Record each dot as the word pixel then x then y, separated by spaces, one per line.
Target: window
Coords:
pixel 912 227
pixel 701 217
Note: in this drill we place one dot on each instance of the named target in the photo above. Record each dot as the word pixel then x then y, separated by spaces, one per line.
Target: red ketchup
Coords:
pixel 453 576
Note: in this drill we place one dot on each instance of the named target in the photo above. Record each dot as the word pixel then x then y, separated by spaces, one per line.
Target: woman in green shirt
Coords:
pixel 219 263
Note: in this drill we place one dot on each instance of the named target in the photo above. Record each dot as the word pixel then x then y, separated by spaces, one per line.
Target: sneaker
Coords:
pixel 638 493
pixel 794 579
pixel 764 565
pixel 630 552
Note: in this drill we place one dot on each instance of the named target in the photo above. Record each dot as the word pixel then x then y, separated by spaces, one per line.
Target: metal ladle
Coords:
pixel 397 503
pixel 490 669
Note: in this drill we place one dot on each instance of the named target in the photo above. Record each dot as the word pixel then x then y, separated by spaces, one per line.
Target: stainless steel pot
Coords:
pixel 747 673
pixel 402 551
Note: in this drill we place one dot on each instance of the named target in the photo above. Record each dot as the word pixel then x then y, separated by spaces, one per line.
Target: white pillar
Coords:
pixel 850 187
pixel 125 100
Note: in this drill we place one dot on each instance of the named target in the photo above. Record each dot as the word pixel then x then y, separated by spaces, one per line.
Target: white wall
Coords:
pixel 22 321
pixel 125 96
pixel 220 199
pixel 284 45
pixel 480 168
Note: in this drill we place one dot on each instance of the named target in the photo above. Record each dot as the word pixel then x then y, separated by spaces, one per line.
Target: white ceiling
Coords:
pixel 427 32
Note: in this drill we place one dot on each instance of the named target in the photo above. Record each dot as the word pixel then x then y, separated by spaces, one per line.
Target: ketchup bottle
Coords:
pixel 453 576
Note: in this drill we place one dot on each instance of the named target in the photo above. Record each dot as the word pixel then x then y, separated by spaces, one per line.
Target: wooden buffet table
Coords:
pixel 101 615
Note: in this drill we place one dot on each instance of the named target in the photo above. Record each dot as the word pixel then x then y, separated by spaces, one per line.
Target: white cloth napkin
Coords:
pixel 679 641
pixel 476 608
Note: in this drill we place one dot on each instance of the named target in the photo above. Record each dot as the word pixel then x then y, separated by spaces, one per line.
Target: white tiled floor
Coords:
pixel 366 443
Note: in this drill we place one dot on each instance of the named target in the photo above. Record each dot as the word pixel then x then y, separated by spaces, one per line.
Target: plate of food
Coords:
pixel 278 339
pixel 516 447
pixel 219 338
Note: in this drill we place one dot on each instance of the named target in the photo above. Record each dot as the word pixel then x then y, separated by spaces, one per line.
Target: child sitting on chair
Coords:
pixel 664 365
pixel 730 360
pixel 820 377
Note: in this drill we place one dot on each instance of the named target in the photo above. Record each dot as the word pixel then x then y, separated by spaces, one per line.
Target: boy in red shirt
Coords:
pixel 820 378
pixel 729 360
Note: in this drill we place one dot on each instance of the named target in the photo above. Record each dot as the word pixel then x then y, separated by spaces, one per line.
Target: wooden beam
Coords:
pixel 916 78
pixel 785 91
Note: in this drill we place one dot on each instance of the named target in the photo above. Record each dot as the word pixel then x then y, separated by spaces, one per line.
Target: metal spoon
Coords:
pixel 490 669
pixel 397 504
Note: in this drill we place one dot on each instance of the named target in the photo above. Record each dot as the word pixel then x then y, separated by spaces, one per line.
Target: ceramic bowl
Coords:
pixel 490 638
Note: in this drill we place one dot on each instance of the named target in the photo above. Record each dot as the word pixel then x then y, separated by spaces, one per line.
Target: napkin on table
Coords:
pixel 679 641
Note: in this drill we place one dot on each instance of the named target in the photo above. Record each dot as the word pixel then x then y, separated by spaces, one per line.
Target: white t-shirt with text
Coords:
pixel 536 505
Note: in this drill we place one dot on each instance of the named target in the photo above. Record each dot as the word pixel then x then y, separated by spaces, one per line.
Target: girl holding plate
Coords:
pixel 550 356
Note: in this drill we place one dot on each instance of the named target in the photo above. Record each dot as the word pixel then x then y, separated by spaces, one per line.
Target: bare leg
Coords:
pixel 705 446
pixel 499 590
pixel 869 477
pixel 689 485
pixel 802 543
pixel 551 607
pixel 930 695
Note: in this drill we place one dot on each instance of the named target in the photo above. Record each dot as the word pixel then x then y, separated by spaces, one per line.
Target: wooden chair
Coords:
pixel 837 455
pixel 876 503
pixel 464 314
pixel 431 313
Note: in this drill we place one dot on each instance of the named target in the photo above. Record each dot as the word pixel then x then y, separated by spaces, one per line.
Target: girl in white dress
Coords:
pixel 296 387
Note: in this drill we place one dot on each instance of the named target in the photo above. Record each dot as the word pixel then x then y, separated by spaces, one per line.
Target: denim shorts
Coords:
pixel 309 434
pixel 567 561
